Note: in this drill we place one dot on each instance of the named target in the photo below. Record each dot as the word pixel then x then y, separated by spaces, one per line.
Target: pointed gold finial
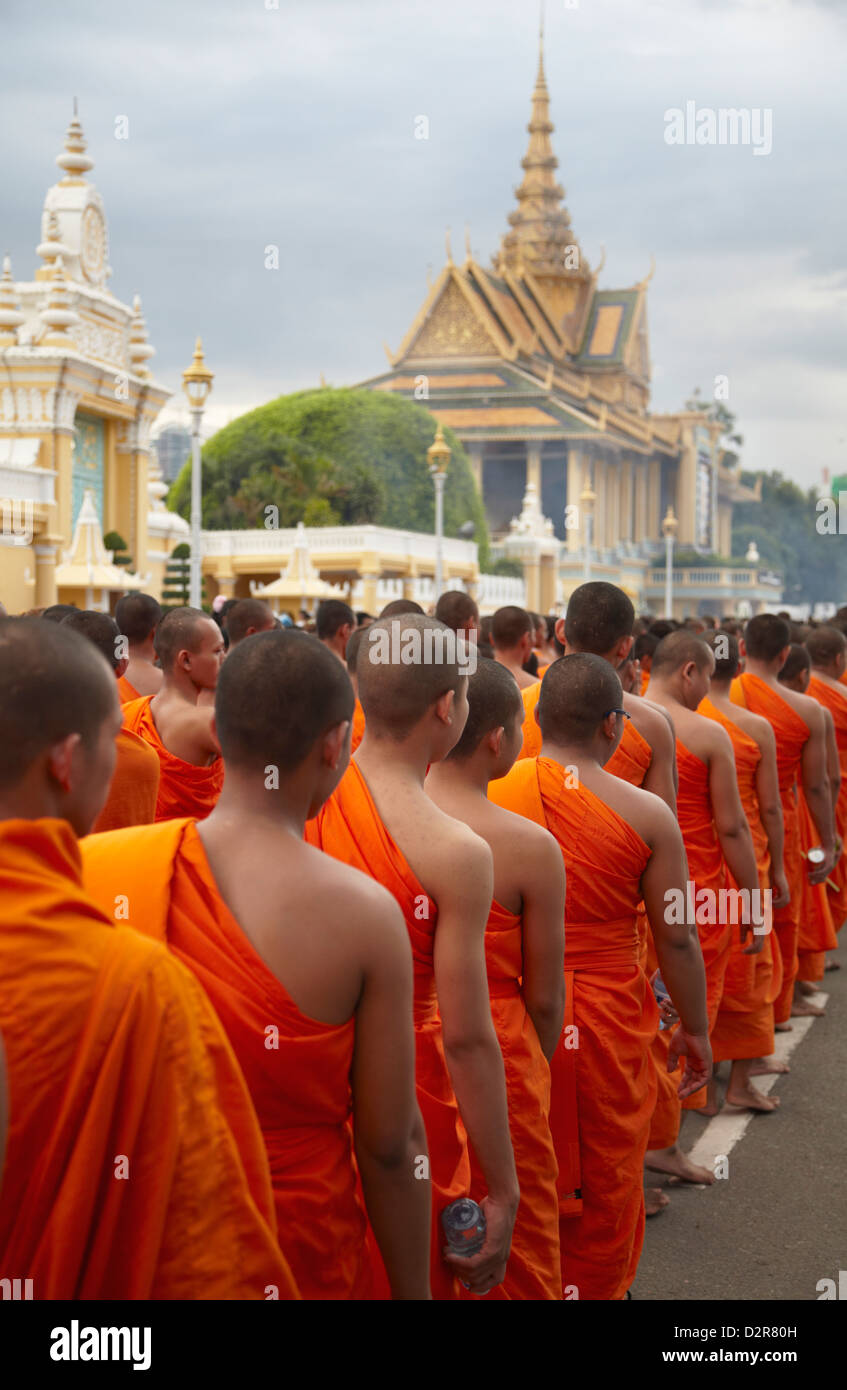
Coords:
pixel 74 160
pixel 468 251
pixel 197 379
pixel 642 284
pixel 448 247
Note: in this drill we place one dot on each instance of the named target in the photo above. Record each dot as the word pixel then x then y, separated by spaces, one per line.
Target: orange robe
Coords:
pixel 531 733
pixel 298 1076
pixel 135 1167
pixel 744 1026
pixel 126 692
pixel 135 786
pixel 603 1080
pixel 349 828
pixel 836 703
pixel 358 726
pixel 631 762
pixel 645 681
pixel 184 788
pixel 706 870
pixel 791 734
pixel 816 934
pixel 533 1271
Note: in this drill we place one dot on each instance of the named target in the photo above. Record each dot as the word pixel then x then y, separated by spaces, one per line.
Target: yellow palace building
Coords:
pixel 77 402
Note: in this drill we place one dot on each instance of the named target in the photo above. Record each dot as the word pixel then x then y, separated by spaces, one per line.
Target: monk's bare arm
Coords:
pixel 816 788
pixel 833 765
pixel 656 726
pixel 390 1139
pixel 770 810
pixel 663 885
pixel 462 884
pixel 731 824
pixel 544 937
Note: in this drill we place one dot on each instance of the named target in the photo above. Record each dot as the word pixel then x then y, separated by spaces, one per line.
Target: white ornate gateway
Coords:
pixel 77 402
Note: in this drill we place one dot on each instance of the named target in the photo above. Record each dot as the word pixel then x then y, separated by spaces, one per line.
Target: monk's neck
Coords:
pixel 173 689
pixel 404 762
pixel 571 755
pixel 144 652
pixel 452 780
pixel 665 695
pixel 761 670
pixel 827 678
pixel 719 696
pixel 245 801
pixel 511 662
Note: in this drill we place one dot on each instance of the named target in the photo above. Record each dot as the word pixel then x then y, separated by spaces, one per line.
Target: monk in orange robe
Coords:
pixel 135 785
pixel 714 827
pixel 381 821
pixel 798 726
pixel 134 1167
pixel 358 728
pixel 744 1030
pixel 816 935
pixel 524 947
pixel 312 1020
pixel 511 638
pixel 138 616
pixel 827 650
pixel 190 648
pixel 619 845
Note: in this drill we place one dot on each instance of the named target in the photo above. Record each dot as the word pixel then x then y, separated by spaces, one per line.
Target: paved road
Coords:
pixel 778 1224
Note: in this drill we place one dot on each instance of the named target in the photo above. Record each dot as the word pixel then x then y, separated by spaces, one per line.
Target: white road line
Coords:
pixel 723 1131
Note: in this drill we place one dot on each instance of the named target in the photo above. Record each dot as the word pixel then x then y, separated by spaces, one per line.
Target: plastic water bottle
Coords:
pixel 463 1223
pixel 660 990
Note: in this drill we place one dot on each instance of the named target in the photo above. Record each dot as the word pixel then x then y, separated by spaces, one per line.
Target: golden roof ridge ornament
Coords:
pixel 74 160
pixel 448 247
pixel 642 284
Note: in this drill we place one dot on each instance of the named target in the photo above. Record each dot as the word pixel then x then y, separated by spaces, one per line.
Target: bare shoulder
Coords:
pixel 652 721
pixel 758 728
pixel 521 838
pixel 646 812
pixel 336 891
pixel 457 857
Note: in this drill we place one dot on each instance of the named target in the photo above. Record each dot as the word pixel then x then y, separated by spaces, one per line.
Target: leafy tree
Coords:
pixel 718 411
pixel 329 457
pixel 176 584
pixel 783 526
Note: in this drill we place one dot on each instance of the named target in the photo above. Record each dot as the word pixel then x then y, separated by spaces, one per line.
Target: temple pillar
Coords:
pixel 370 579
pixel 533 466
pixel 531 571
pixel 547 585
pixel 475 456
pixel 613 487
pixel 573 521
pixel 45 574
pixel 625 518
pixel 686 489
pixel 641 501
pixel 600 507
pixel 654 500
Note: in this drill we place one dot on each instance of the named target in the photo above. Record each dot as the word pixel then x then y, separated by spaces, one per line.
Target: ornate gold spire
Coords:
pixel 139 348
pixel 542 237
pixel 57 314
pixel 11 317
pixel 74 160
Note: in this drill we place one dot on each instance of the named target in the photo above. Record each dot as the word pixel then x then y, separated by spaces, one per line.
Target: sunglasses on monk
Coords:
pixel 617 711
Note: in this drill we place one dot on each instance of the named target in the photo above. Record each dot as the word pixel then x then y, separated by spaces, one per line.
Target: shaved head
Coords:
pixel 137 615
pixel 508 626
pixel 796 662
pixel 99 628
pixel 400 605
pixel 825 645
pixel 725 650
pixel 576 694
pixel 494 702
pixel 765 636
pixel 276 696
pixel 457 610
pixel 332 614
pixel 677 650
pixel 247 616
pixel 354 642
pixel 57 611
pixel 52 684
pixel 404 667
pixel 599 615
pixel 182 629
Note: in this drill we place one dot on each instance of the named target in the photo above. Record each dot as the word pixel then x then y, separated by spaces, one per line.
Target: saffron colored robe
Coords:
pixel 603 1083
pixel 531 746
pixel 706 870
pixel 297 1069
pixel 126 692
pixel 135 785
pixel 358 731
pixel 350 829
pixel 534 1270
pixel 135 1167
pixel 184 788
pixel 792 734
pixel 836 703
pixel 816 934
pixel 631 762
pixel 744 1026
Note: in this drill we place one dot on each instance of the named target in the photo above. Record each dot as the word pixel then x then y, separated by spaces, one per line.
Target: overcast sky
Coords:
pixel 251 125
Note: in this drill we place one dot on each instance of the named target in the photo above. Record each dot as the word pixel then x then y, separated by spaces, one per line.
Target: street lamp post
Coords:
pixel 587 498
pixel 439 454
pixel 197 383
pixel 669 530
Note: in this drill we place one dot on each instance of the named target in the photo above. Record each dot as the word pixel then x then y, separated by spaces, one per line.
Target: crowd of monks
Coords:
pixel 299 944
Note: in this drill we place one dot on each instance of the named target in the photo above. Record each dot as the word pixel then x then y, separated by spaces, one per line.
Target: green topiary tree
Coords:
pixel 115 542
pixel 329 457
pixel 175 589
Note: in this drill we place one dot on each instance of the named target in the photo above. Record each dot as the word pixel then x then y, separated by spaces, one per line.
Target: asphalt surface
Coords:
pixel 778 1224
